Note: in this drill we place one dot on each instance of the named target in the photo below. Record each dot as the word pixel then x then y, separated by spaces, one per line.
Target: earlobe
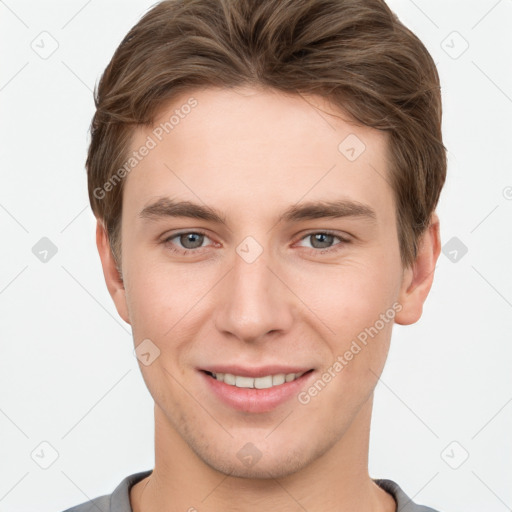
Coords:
pixel 113 278
pixel 417 279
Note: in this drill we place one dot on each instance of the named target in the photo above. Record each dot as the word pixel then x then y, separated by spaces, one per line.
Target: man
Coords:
pixel 264 175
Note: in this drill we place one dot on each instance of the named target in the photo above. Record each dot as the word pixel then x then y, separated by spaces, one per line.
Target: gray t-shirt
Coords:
pixel 119 500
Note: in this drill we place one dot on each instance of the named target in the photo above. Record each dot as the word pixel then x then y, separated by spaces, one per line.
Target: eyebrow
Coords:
pixel 166 207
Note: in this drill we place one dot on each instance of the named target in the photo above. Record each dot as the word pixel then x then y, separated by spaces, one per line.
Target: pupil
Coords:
pixel 189 238
pixel 323 235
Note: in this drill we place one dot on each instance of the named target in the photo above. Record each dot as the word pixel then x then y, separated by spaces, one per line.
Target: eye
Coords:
pixel 324 240
pixel 188 241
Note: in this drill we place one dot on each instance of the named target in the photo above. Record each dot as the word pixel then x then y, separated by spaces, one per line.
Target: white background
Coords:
pixel 68 375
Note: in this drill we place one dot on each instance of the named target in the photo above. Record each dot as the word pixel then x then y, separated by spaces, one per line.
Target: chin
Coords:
pixel 265 467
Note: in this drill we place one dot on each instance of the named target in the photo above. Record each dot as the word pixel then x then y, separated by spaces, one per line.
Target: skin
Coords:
pixel 251 153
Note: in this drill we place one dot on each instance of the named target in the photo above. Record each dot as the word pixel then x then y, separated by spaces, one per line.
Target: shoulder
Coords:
pixel 403 502
pixel 118 501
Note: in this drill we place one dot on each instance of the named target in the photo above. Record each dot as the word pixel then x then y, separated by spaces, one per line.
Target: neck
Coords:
pixel 337 480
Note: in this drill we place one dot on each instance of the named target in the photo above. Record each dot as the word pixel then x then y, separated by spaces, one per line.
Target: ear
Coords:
pixel 113 278
pixel 417 279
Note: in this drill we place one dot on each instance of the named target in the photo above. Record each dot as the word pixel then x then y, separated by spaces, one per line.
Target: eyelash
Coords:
pixel 312 250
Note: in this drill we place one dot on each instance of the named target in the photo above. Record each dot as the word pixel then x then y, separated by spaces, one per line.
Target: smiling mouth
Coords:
pixel 265 382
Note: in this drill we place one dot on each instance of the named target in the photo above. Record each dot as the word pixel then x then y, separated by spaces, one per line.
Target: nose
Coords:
pixel 255 301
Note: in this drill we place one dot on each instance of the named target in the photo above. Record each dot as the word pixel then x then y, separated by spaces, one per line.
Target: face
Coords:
pixel 259 241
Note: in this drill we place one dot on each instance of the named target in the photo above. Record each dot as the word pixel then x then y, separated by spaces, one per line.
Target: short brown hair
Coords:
pixel 355 53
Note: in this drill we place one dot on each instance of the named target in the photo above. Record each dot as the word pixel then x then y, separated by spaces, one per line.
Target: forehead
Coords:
pixel 249 148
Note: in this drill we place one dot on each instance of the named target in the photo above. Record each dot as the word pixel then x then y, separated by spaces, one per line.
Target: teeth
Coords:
pixel 280 379
pixel 259 383
pixel 244 382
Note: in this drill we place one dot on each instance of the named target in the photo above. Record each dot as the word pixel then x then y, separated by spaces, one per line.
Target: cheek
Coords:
pixel 162 297
pixel 350 296
pixel 353 306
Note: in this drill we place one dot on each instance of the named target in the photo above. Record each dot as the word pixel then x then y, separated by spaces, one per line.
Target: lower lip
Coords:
pixel 256 400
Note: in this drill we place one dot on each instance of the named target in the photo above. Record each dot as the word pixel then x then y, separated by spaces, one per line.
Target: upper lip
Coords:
pixel 255 372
